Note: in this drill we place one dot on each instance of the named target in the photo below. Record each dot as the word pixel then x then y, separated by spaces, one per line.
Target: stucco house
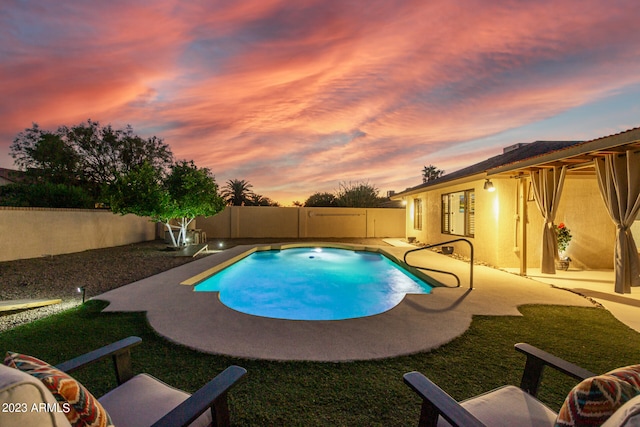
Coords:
pixel 535 186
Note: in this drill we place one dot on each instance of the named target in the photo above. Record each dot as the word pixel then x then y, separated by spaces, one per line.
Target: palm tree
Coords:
pixel 237 192
pixel 429 173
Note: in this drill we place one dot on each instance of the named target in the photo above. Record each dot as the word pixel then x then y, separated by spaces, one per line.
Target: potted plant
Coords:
pixel 564 237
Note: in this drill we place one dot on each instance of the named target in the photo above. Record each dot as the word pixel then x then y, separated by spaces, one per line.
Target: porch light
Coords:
pixel 488 185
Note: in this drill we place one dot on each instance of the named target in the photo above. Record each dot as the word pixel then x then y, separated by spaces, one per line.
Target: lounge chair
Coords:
pixel 612 399
pixel 33 393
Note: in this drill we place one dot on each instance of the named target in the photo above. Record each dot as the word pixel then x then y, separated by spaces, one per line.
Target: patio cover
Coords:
pixel 547 187
pixel 619 182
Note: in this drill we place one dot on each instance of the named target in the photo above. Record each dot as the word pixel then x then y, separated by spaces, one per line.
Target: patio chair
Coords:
pixel 33 393
pixel 612 399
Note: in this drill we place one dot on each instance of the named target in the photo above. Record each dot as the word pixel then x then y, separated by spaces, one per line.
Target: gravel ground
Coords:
pixel 98 271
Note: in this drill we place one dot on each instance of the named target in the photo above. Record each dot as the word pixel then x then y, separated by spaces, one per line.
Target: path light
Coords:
pixel 82 290
pixel 488 185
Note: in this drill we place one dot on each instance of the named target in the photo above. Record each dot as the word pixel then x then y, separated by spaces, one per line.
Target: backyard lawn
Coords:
pixel 368 393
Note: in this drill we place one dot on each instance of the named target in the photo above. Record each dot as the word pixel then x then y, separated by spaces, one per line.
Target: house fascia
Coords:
pixel 438 185
pixel 575 155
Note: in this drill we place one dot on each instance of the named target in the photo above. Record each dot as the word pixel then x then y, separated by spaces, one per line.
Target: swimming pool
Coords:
pixel 317 283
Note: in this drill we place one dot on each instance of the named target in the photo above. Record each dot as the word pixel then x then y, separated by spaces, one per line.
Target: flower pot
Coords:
pixel 447 250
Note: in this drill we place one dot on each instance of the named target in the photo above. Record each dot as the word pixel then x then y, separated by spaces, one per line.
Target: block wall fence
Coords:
pixel 37 232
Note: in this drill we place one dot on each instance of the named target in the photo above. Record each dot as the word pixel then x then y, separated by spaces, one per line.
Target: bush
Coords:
pixel 44 195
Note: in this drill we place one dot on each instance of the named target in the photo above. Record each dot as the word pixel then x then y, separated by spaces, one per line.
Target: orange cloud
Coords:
pixel 297 97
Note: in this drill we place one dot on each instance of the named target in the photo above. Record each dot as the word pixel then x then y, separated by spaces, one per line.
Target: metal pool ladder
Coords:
pixel 441 271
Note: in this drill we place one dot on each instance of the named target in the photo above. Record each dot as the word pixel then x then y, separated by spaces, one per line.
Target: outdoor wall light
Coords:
pixel 488 185
pixel 82 290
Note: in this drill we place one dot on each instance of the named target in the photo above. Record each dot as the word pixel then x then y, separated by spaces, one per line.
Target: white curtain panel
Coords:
pixel 547 188
pixel 619 182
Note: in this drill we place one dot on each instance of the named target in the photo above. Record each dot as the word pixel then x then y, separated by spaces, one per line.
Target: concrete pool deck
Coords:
pixel 419 323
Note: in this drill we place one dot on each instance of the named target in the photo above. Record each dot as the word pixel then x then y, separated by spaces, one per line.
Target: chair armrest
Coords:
pixel 536 361
pixel 119 351
pixel 212 395
pixel 436 402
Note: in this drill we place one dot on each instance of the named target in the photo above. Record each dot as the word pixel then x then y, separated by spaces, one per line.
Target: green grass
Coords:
pixel 350 394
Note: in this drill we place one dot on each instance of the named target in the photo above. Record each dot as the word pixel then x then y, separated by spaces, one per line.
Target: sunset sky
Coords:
pixel 298 96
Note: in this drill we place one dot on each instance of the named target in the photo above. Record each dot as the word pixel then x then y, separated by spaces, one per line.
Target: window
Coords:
pixel 458 213
pixel 417 214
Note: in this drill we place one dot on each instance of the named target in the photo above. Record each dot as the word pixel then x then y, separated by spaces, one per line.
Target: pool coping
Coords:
pixel 195 280
pixel 418 323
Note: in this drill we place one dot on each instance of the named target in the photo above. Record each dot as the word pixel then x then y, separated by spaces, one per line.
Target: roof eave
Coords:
pixel 437 185
pixel 588 147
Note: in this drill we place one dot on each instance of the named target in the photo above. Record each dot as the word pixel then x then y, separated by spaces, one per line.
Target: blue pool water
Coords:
pixel 313 284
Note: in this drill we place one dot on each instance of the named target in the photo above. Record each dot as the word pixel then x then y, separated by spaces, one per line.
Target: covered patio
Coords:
pixel 614 161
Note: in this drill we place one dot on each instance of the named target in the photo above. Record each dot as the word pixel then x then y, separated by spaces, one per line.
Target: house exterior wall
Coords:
pixel 35 232
pixel 583 211
pixel 268 221
pixel 498 241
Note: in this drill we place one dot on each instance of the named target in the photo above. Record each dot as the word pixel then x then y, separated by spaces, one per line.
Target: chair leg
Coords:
pixel 428 415
pixel 220 412
pixel 532 375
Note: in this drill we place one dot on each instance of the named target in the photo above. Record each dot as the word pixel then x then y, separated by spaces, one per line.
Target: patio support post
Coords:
pixel 523 226
pixel 619 182
pixel 547 187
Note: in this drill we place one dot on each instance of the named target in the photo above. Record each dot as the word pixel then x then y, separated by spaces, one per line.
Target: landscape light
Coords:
pixel 83 290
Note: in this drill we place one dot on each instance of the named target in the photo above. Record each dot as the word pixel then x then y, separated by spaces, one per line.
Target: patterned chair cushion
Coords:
pixel 595 399
pixel 79 406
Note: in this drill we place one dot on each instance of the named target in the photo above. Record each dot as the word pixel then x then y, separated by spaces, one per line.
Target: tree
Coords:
pixel 107 153
pixel 358 195
pixel 237 192
pixel 45 156
pixel 87 154
pixel 429 173
pixel 180 196
pixel 192 192
pixel 321 200
pixel 259 200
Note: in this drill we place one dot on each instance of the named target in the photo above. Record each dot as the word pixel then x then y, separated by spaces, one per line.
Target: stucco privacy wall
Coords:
pixel 497 240
pixel 34 232
pixel 266 221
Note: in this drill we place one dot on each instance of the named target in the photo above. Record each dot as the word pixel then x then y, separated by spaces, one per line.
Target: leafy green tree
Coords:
pixel 237 192
pixel 193 192
pixel 140 192
pixel 180 196
pixel 321 200
pixel 429 173
pixel 358 195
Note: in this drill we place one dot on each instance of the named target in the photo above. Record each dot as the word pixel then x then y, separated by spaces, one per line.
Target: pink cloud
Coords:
pixel 296 97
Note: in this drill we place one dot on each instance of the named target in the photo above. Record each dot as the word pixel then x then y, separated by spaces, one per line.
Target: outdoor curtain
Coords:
pixel 619 182
pixel 547 187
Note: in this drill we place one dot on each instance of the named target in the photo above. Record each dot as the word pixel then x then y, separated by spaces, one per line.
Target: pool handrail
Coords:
pixel 441 271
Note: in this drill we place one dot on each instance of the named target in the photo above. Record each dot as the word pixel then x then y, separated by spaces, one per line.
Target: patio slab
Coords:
pixel 419 323
pixel 598 285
